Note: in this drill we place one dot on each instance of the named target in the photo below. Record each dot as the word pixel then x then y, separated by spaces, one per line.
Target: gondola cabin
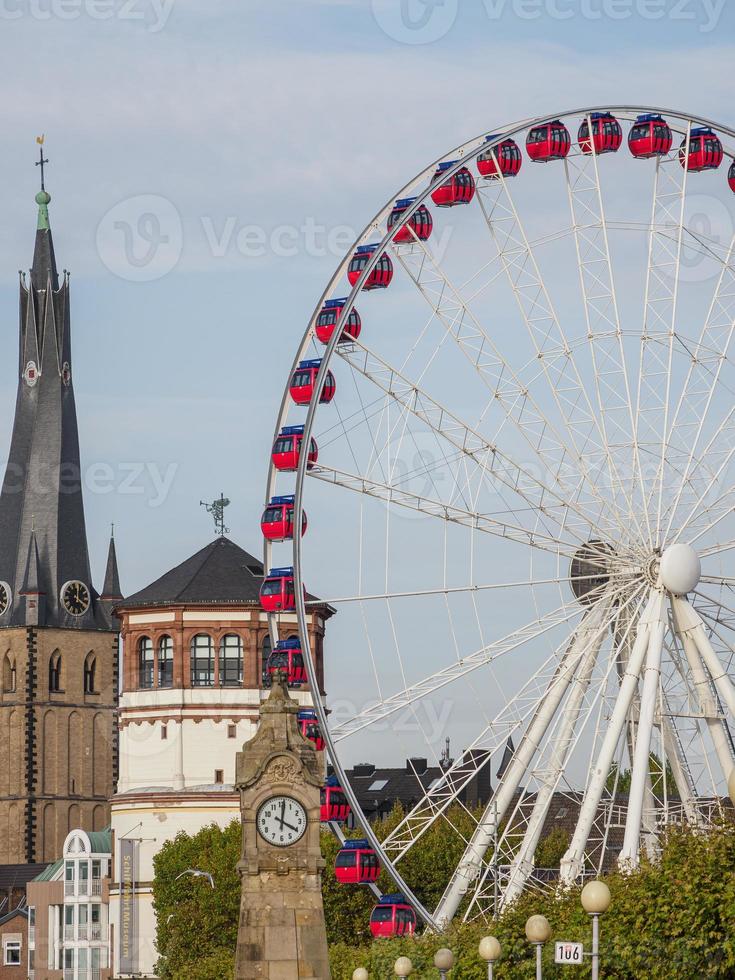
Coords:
pixel 356 863
pixel 731 176
pixel 607 134
pixel 277 520
pixel 334 805
pixel 309 728
pixel 289 659
pixel 503 160
pixel 381 275
pixel 459 189
pixel 705 150
pixel 549 141
pixel 287 449
pixel 304 380
pixel 277 591
pixel 392 916
pixel 650 136
pixel 327 321
pixel 420 225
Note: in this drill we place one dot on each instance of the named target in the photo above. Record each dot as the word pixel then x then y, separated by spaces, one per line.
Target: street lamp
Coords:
pixel 595 899
pixel 403 967
pixel 490 951
pixel 360 974
pixel 443 961
pixel 538 932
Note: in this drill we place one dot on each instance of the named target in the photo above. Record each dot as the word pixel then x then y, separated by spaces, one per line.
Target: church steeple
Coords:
pixel 111 592
pixel 42 488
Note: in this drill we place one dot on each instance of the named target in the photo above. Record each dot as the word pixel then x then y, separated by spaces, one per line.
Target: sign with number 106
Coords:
pixel 568 953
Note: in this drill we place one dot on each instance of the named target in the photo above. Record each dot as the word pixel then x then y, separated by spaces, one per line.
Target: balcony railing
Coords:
pixel 68 975
pixel 95 931
pixel 83 930
pixel 68 887
pixel 68 932
pixel 96 886
pixel 84 886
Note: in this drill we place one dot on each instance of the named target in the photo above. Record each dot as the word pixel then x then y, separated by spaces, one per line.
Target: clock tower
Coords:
pixel 279 774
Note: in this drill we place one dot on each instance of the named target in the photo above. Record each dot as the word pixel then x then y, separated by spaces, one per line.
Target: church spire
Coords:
pixel 41 506
pixel 111 592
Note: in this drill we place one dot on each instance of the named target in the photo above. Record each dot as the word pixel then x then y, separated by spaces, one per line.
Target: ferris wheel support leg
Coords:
pixel 691 623
pixel 682 776
pixel 572 863
pixel 523 863
pixel 641 759
pixel 471 862
pixel 703 692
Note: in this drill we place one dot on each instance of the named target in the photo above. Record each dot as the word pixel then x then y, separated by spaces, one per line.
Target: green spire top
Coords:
pixel 42 200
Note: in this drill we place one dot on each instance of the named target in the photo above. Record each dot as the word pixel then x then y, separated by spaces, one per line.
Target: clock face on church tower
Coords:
pixel 281 821
pixel 75 598
pixel 4 597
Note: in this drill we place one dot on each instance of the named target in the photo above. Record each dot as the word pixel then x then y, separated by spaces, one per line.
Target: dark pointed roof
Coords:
pixel 43 485
pixel 111 589
pixel 32 578
pixel 220 573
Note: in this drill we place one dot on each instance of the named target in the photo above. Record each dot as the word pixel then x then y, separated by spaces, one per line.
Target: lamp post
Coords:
pixel 595 899
pixel 360 974
pixel 403 967
pixel 538 932
pixel 443 961
pixel 490 951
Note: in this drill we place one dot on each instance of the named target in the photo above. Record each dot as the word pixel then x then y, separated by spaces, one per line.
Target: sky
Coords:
pixel 210 164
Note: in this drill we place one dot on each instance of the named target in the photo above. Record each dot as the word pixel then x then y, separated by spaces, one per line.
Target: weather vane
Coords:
pixel 217 510
pixel 41 162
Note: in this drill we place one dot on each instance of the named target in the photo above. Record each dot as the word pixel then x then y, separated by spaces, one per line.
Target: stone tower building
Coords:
pixel 58 638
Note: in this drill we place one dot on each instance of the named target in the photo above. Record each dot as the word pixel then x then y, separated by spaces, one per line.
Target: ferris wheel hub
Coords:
pixel 680 569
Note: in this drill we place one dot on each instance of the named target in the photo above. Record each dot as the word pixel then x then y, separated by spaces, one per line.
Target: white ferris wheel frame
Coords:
pixel 600 307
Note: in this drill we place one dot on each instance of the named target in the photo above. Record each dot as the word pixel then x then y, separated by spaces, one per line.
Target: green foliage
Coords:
pixel 552 848
pixel 672 920
pixel 657 777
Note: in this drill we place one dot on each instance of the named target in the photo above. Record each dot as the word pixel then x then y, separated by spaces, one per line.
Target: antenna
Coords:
pixel 217 510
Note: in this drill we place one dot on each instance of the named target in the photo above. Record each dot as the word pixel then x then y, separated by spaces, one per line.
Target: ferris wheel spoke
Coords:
pixel 443 511
pixel 707 361
pixel 659 324
pixel 588 636
pixel 512 394
pixel 602 318
pixel 488 654
pixel 552 349
pixel 495 464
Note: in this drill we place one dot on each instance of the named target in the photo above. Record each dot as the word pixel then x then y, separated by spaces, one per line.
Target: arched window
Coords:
pixel 165 662
pixel 145 662
pixel 90 669
pixel 54 673
pixel 265 654
pixel 9 675
pixel 230 661
pixel 202 661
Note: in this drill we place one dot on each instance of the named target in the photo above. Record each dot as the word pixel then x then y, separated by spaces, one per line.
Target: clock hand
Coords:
pixel 283 814
pixel 290 826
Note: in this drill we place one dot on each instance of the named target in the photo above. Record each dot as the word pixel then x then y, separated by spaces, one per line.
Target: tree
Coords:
pixel 622 788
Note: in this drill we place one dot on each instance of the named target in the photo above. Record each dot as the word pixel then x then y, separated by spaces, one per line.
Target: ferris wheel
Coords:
pixel 519 427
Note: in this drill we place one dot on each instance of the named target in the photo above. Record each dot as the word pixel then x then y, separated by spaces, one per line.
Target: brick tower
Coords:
pixel 58 639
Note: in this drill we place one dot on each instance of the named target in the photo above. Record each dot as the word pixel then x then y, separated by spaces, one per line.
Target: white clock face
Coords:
pixel 281 821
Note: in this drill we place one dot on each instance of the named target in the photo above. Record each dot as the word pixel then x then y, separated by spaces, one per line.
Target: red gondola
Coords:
pixel 379 278
pixel 550 141
pixel 392 916
pixel 277 520
pixel 277 591
pixel 287 657
pixel 356 863
pixel 420 225
pixel 459 189
pixel 327 321
pixel 287 448
pixel 650 136
pixel 309 728
pixel 705 150
pixel 504 159
pixel 731 176
pixel 304 379
pixel 607 135
pixel 334 805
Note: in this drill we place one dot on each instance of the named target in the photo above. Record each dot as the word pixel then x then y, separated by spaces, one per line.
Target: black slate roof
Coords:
pixel 18 875
pixel 221 573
